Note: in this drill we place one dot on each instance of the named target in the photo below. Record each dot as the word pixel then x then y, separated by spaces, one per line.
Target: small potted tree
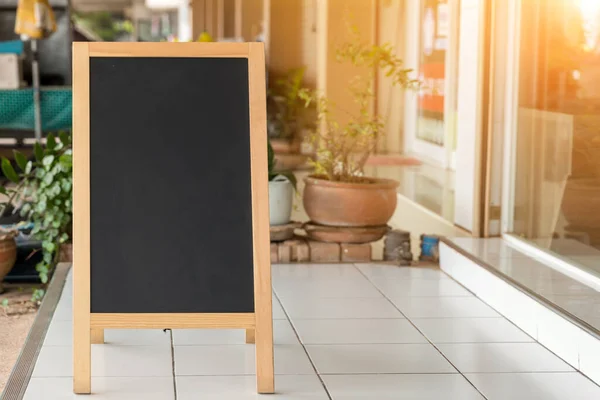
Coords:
pixel 338 194
pixel 286 117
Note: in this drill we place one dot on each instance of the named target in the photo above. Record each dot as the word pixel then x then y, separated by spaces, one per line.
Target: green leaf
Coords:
pixel 28 167
pixel 47 180
pixel 291 177
pixel 48 246
pixel 57 169
pixel 3 190
pixel 38 151
pixel 270 158
pixel 25 210
pixel 66 160
pixel 20 159
pixel 9 171
pixel 41 207
pixel 5 303
pixel 38 295
pixel 50 142
pixel 66 186
pixel 64 138
pixel 48 160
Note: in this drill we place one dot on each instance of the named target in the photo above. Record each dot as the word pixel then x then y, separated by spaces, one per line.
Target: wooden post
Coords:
pixel 262 249
pixel 239 13
pixel 220 19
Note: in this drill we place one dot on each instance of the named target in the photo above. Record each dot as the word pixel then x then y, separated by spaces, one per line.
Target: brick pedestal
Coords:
pixel 355 252
pixel 301 250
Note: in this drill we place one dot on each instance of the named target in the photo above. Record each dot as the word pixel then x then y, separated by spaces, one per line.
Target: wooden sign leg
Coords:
pixel 265 374
pixel 265 369
pixel 82 356
pixel 250 336
pixel 97 336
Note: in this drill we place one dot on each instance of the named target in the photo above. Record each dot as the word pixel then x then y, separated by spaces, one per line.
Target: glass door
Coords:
pixel 552 159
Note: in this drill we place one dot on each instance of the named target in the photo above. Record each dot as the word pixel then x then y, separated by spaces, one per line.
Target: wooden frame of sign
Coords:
pixel 88 327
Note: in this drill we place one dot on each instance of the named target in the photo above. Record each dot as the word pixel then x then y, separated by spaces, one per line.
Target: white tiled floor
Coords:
pixel 341 332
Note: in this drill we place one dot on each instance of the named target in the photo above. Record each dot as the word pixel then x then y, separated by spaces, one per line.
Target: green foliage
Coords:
pixel 44 188
pixel 343 149
pixel 271 160
pixel 285 107
pixel 106 25
pixel 273 173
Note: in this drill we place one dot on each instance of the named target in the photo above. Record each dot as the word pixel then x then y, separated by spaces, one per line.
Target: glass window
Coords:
pixel 557 173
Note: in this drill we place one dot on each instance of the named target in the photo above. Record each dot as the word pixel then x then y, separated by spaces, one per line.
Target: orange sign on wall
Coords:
pixel 432 95
pixel 434 42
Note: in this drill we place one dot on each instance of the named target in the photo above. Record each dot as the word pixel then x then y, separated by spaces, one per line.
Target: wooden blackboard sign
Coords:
pixel 171 221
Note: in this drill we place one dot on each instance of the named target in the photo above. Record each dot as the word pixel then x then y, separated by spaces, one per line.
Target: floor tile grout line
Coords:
pixel 173 363
pixel 303 346
pixel 426 338
pixel 394 343
pixel 453 373
pixel 402 318
pixel 379 297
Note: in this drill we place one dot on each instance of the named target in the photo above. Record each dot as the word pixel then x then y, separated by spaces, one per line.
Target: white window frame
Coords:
pixel 511 104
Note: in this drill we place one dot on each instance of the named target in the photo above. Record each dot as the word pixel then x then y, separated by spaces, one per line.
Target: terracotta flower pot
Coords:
pixel 285 146
pixel 350 204
pixel 290 162
pixel 8 256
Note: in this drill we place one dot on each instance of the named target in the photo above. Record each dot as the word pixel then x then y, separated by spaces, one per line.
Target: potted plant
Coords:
pixel 337 193
pixel 42 188
pixel 281 192
pixel 285 112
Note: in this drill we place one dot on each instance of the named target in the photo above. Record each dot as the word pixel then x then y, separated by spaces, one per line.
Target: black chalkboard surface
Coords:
pixel 170 187
pixel 170 194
